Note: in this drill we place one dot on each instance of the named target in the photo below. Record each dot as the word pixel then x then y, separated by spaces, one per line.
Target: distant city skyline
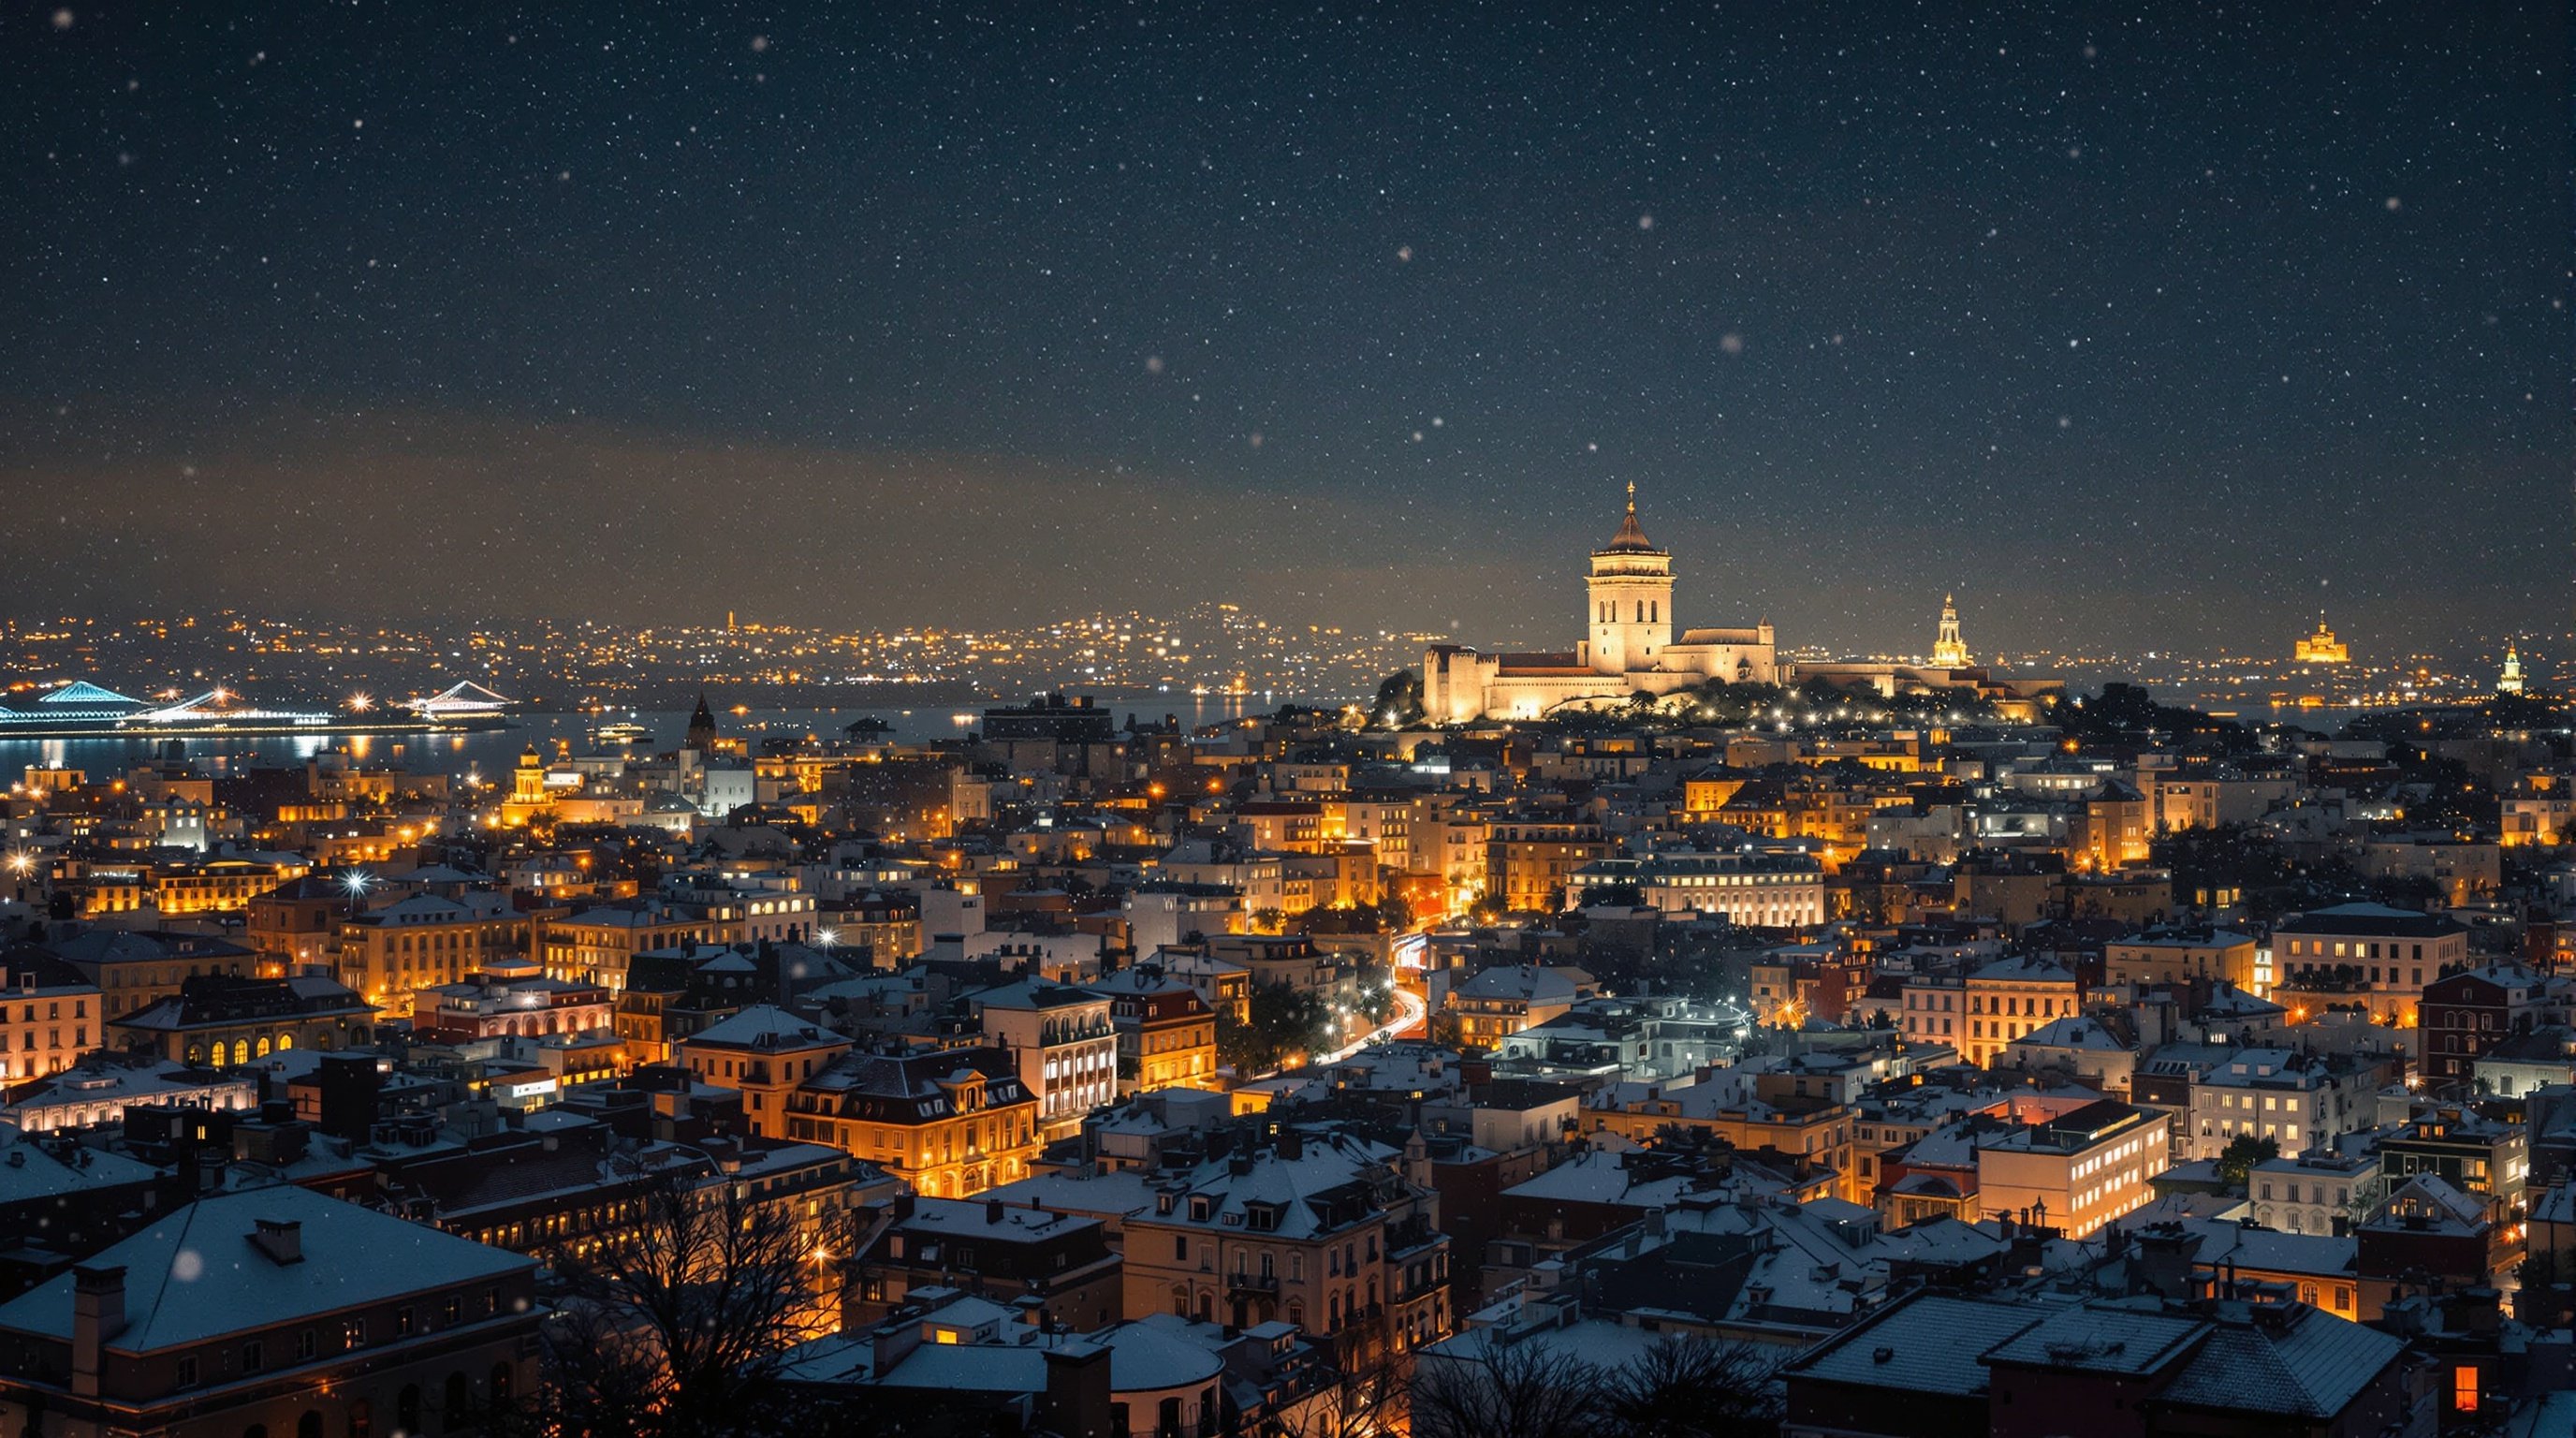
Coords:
pixel 2135 332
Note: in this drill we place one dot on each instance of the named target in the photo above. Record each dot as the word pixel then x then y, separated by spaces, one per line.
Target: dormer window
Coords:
pixel 1200 1207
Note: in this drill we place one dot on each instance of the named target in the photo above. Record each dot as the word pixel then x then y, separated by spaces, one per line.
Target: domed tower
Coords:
pixel 2511 680
pixel 528 779
pixel 1631 590
pixel 1948 650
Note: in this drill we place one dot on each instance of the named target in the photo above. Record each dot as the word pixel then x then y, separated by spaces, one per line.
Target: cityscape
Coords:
pixel 1158 722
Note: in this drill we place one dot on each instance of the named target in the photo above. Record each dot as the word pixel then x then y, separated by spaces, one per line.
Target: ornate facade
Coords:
pixel 1631 647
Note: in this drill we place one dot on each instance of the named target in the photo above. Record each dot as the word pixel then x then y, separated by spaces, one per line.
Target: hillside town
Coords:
pixel 1822 1059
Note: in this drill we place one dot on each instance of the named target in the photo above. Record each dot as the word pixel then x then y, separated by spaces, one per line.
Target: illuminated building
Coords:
pixel 1062 1039
pixel 2297 1101
pixel 49 1015
pixel 596 945
pixel 1948 650
pixel 1323 1231
pixel 517 1003
pixel 2323 647
pixel 1756 890
pixel 2010 997
pixel 2510 682
pixel 530 799
pixel 1630 648
pixel 134 969
pixel 764 1053
pixel 951 1123
pixel 2364 956
pixel 222 1020
pixel 1529 864
pixel 2075 1171
pixel 1166 1032
pixel 425 941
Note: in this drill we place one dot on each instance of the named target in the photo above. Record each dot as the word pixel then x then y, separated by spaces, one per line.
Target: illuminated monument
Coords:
pixel 2510 682
pixel 1629 616
pixel 1631 648
pixel 2322 647
pixel 1948 650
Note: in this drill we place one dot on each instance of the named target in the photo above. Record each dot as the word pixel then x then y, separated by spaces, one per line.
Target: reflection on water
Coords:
pixel 497 751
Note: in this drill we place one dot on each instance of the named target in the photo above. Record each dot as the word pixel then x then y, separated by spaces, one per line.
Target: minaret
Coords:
pixel 1631 593
pixel 2511 680
pixel 1948 652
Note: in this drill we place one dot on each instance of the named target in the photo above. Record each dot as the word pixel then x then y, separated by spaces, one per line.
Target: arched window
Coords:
pixel 263 1046
pixel 458 1405
pixel 285 1042
pixel 407 1409
pixel 241 1051
pixel 310 1425
pixel 362 1419
pixel 500 1384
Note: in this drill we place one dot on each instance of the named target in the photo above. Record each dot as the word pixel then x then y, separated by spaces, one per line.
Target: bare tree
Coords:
pixel 1363 1404
pixel 674 1326
pixel 1526 1389
pixel 1687 1387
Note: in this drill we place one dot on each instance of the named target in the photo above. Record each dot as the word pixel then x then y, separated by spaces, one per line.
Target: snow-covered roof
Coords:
pixel 197 1274
pixel 768 1027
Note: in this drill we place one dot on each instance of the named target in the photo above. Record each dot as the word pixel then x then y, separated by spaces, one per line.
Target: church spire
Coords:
pixel 1632 535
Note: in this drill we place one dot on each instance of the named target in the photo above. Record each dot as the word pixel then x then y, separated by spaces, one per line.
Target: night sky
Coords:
pixel 2152 327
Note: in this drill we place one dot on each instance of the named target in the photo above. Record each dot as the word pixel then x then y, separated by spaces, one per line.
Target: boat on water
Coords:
pixel 624 731
pixel 463 705
pixel 82 710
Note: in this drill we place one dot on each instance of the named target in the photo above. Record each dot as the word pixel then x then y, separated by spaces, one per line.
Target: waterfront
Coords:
pixel 492 752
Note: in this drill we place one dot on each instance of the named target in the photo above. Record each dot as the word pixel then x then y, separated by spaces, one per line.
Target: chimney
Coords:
pixel 98 1314
pixel 281 1239
pixel 992 1210
pixel 1077 1393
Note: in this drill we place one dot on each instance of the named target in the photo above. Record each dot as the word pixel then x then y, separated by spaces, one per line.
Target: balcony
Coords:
pixel 1245 1282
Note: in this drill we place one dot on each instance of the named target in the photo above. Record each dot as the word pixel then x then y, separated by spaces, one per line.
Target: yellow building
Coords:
pixel 1166 1032
pixel 425 941
pixel 951 1123
pixel 2323 647
pixel 2077 1170
pixel 1527 863
pixel 2009 998
pixel 529 799
pixel 1948 650
pixel 2180 956
pixel 765 1054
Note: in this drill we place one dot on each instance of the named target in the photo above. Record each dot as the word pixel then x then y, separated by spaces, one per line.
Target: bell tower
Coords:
pixel 1631 591
pixel 1948 651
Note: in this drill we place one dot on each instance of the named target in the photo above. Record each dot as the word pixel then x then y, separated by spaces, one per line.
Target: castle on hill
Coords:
pixel 1631 647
